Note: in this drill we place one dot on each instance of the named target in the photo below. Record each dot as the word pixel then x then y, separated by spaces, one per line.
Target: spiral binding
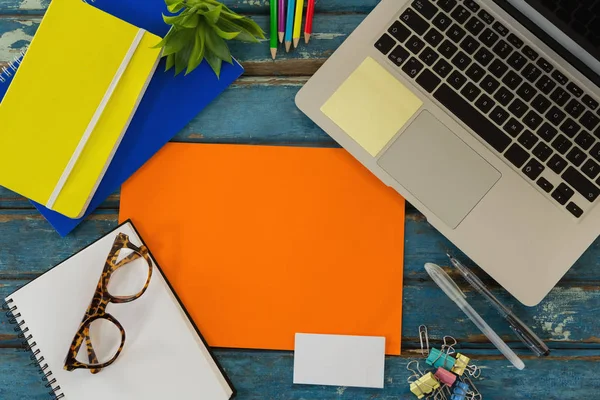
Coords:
pixel 14 315
pixel 13 65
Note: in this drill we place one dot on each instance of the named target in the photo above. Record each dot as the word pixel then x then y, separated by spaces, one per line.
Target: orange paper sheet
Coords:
pixel 263 242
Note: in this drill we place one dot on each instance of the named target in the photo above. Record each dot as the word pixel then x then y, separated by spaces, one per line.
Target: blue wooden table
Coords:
pixel 259 109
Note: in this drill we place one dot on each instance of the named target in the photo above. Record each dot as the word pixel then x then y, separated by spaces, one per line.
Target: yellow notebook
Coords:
pixel 70 104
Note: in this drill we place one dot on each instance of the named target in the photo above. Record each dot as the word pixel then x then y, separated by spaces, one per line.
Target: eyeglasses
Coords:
pixel 96 321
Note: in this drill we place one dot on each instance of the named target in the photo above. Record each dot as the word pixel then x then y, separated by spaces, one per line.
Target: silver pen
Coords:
pixel 521 330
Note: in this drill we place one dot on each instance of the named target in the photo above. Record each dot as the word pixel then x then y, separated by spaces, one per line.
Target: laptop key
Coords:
pixel 532 120
pixel 442 21
pixel 447 49
pixel 526 92
pixel 528 139
pixel 502 49
pixel 428 80
pixel 474 26
pixel 513 128
pixel 570 128
pixel 489 84
pixel 512 80
pixel 574 89
pixel 489 37
pixel 399 55
pixel 542 151
pixel 470 91
pixel 584 140
pixel 414 21
pixel 503 96
pixel 545 84
pixel 591 169
pixel 484 103
pixel 557 163
pixel 470 45
pixel 560 96
pixel 499 115
pixel 501 29
pixel 456 79
pixel 533 169
pixel 544 65
pixel 576 156
pixel 461 61
pixel 412 67
pixel 516 155
pixel 498 68
pixel 484 15
pixel 399 31
pixel 541 104
pixel 545 185
pixel 415 44
pixel 442 68
pixel 595 152
pixel 530 53
pixel 560 77
pixel 561 144
pixel 456 33
pixel 589 120
pixel 460 14
pixel 555 115
pixel 515 41
pixel 484 56
pixel 428 56
pixel 575 108
pixel 517 61
pixel 547 132
pixel 447 5
pixel 575 210
pixel 590 102
pixel 471 117
pixel 471 5
pixel 518 108
pixel 531 72
pixel 425 8
pixel 385 43
pixel 581 184
pixel 433 37
pixel 562 194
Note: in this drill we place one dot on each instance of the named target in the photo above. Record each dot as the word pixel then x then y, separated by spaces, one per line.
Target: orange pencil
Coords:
pixel 310 11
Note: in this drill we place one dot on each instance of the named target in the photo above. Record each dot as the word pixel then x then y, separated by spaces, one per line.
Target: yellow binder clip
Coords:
pixel 462 364
pixel 422 384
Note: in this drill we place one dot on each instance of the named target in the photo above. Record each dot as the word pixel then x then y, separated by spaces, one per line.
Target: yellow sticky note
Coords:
pixel 371 106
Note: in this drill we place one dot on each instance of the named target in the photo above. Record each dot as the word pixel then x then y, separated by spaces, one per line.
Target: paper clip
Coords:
pixel 422 384
pixel 474 393
pixel 449 348
pixel 440 359
pixel 462 364
pixel 424 337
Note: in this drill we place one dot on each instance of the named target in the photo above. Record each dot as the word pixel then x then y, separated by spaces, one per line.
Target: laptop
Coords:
pixel 484 114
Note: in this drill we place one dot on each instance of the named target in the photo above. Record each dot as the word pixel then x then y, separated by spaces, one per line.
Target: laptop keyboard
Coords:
pixel 497 84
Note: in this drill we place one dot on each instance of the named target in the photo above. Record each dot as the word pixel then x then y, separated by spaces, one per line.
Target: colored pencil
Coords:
pixel 281 11
pixel 273 28
pixel 310 12
pixel 298 21
pixel 289 24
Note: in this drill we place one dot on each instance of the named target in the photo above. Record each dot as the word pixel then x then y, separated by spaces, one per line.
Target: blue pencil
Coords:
pixel 289 26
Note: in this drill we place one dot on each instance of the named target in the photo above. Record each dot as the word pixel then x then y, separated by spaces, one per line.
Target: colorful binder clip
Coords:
pixel 439 359
pixel 462 364
pixel 421 384
pixel 445 377
pixel 474 393
pixel 460 391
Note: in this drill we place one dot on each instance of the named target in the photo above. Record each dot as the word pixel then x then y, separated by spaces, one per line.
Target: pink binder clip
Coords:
pixel 446 377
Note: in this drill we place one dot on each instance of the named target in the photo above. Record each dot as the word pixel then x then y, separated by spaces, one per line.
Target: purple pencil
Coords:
pixel 281 12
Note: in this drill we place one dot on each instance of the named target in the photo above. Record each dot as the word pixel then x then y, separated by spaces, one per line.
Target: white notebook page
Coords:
pixel 163 357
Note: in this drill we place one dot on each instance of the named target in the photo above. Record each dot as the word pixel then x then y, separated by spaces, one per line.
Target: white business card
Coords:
pixel 339 360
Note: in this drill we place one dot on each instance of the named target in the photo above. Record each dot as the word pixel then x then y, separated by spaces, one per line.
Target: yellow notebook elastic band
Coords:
pixel 95 118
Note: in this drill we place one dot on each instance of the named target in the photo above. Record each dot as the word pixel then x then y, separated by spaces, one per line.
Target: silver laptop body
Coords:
pixel 487 180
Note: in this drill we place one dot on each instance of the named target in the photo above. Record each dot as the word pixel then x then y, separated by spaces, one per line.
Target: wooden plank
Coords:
pixel 330 32
pixel 240 6
pixel 259 375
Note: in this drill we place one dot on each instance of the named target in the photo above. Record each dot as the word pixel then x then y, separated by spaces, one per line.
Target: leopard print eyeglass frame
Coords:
pixel 101 299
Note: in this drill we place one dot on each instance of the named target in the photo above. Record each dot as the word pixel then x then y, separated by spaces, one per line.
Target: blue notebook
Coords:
pixel 169 104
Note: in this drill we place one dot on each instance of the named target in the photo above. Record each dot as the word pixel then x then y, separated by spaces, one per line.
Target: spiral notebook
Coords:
pixel 62 124
pixel 164 355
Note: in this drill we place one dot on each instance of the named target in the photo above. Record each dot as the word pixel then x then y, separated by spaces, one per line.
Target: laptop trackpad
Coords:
pixel 439 169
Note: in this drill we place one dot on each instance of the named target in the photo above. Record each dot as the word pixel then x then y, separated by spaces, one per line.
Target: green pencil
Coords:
pixel 273 28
